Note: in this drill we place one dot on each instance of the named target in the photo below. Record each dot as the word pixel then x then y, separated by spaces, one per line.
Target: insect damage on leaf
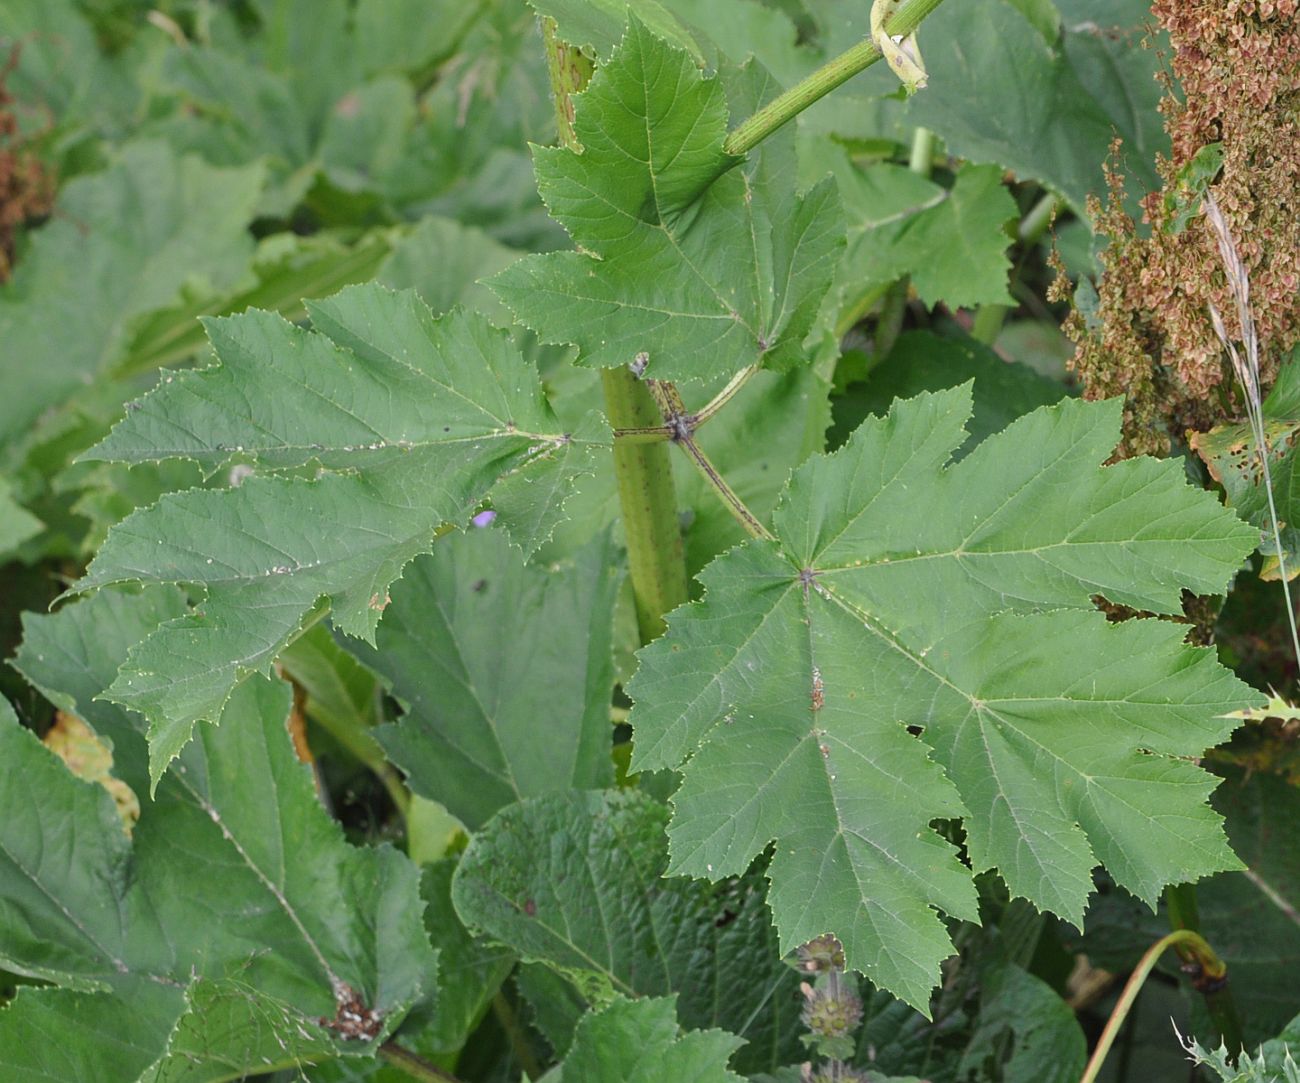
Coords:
pixel 353 1020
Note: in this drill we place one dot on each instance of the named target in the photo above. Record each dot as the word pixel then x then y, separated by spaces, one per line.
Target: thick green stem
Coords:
pixel 787 106
pixel 921 160
pixel 656 562
pixel 1210 966
pixel 1219 1003
pixel 415 1066
pixel 1039 217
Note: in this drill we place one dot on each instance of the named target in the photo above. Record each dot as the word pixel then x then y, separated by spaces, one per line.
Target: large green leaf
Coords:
pixel 300 924
pixel 1024 1033
pixel 574 881
pixel 1047 109
pixel 700 265
pixel 17 524
pixel 488 721
pixel 123 243
pixel 956 599
pixel 638 1041
pixel 408 421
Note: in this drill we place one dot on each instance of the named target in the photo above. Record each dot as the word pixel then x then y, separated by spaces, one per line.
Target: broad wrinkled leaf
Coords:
pixel 286 268
pixel 1024 1033
pixel 1001 92
pixel 638 1041
pixel 236 887
pixel 61 1034
pixel 903 592
pixel 574 881
pixel 708 29
pixel 505 670
pixel 701 264
pixel 596 26
pixel 63 80
pixel 121 244
pixel 409 421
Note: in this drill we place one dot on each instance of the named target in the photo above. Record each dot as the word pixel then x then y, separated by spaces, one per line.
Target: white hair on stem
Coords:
pixel 1245 363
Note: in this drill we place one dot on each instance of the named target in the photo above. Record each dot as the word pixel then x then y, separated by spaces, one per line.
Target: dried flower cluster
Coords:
pixel 26 191
pixel 1151 338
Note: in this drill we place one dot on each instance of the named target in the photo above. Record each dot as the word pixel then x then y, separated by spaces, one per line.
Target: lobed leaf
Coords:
pixel 955 599
pixel 952 242
pixel 701 265
pixel 407 420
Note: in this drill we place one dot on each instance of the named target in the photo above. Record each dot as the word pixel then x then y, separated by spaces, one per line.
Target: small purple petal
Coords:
pixel 484 518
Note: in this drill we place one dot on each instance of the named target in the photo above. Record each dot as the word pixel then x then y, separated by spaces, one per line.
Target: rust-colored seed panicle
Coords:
pixel 26 187
pixel 1151 338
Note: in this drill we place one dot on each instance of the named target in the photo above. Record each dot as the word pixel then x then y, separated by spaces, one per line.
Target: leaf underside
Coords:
pixel 955 599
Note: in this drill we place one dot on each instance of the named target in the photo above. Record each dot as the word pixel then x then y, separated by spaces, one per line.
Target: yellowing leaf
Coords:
pixel 88 757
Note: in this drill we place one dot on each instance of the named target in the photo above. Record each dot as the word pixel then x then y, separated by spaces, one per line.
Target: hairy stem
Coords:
pixel 833 73
pixel 656 563
pixel 415 1066
pixel 1209 965
pixel 682 425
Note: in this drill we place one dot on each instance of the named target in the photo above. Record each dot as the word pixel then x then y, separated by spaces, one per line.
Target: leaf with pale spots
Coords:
pixel 702 262
pixel 366 435
pixel 919 642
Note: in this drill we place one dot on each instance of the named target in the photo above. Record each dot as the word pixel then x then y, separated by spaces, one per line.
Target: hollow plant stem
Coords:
pixel 785 107
pixel 647 500
pixel 1184 940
